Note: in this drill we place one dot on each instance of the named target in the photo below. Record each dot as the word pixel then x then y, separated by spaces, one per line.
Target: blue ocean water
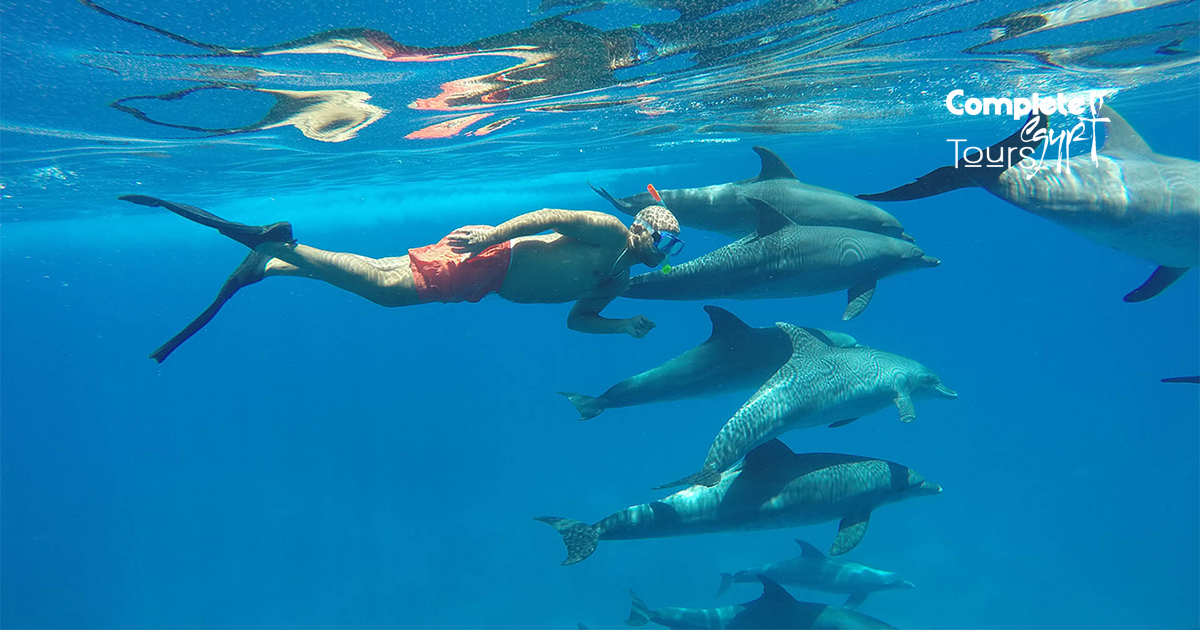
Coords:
pixel 311 459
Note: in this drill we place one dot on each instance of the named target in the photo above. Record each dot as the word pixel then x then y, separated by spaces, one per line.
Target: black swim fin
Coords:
pixel 248 272
pixel 969 172
pixel 249 235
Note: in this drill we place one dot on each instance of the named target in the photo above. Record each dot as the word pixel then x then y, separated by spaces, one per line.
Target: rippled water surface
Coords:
pixel 276 93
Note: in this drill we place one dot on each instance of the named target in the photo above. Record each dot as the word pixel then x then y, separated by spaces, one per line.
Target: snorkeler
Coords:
pixel 586 260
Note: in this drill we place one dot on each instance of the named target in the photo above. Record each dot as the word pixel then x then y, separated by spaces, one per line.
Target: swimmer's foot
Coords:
pixel 249 235
pixel 251 270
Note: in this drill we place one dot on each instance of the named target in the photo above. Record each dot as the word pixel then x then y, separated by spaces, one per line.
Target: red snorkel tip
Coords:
pixel 654 193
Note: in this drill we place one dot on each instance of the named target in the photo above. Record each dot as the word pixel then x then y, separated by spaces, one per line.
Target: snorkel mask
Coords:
pixel 665 243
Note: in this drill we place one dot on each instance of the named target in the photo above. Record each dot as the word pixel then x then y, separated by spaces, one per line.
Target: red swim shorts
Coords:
pixel 441 275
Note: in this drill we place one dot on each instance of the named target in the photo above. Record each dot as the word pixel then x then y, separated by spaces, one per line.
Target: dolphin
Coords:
pixel 1131 198
pixel 783 259
pixel 813 569
pixel 771 489
pixel 775 609
pixel 1182 379
pixel 736 357
pixel 724 208
pixel 818 385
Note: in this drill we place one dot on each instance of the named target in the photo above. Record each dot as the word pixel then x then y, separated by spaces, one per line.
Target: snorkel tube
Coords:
pixel 666 266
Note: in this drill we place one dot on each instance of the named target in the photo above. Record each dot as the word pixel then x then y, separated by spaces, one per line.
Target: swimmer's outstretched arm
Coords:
pixel 594 228
pixel 585 317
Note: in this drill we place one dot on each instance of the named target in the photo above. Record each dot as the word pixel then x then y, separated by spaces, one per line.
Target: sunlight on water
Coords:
pixel 373 103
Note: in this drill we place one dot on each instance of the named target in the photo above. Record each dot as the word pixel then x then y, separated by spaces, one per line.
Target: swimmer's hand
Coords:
pixel 470 240
pixel 638 326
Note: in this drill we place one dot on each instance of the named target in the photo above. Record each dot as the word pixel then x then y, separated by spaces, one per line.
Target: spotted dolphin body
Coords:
pixel 783 259
pixel 775 609
pixel 736 357
pixel 813 569
pixel 725 208
pixel 773 488
pixel 818 385
pixel 1131 199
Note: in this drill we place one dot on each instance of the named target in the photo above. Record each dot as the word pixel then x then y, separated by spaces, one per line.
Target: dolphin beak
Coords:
pixel 945 391
pixel 930 261
pixel 907 584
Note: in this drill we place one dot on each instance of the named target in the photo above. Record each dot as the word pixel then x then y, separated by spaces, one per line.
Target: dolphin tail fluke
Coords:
pixel 639 612
pixel 617 203
pixel 942 180
pixel 587 406
pixel 706 477
pixel 580 538
pixel 855 600
pixel 1158 281
pixel 726 582
pixel 248 272
pixel 960 175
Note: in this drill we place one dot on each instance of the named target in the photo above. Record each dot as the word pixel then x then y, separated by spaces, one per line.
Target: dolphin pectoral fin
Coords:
pixel 855 600
pixel 580 538
pixel 1158 281
pixel 587 406
pixel 907 412
pixel 850 533
pixel 770 219
pixel 842 423
pixel 617 203
pixel 1182 379
pixel 858 297
pixel 706 477
pixel 773 166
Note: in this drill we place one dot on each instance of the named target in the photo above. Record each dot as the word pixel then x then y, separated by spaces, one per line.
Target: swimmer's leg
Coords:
pixel 384 281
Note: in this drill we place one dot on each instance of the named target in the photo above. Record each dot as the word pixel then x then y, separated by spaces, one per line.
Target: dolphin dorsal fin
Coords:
pixel 773 166
pixel 772 455
pixel 802 342
pixel 773 592
pixel 809 551
pixel 723 322
pixel 770 219
pixel 1119 135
